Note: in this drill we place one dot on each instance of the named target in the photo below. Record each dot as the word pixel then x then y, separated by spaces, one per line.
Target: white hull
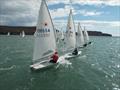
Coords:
pixel 70 55
pixel 42 65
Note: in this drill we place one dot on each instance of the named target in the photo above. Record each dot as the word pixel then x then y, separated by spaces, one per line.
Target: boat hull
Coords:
pixel 42 65
pixel 70 55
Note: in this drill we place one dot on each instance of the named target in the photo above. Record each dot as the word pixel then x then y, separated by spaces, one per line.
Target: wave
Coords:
pixel 62 61
pixel 6 60
pixel 18 51
pixel 116 87
pixel 8 68
pixel 83 56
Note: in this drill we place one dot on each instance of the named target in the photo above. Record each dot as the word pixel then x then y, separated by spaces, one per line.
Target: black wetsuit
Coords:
pixel 52 61
pixel 75 52
pixel 85 45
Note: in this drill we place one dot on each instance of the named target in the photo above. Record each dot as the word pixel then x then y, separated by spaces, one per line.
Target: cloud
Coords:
pixel 91 23
pixel 62 12
pixel 18 12
pixel 87 2
pixel 90 13
pixel 112 27
pixel 25 13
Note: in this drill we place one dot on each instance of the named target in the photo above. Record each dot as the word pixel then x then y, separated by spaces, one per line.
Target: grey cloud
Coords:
pixel 18 12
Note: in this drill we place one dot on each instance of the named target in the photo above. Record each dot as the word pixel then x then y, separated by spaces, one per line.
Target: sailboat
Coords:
pixel 35 34
pixel 70 38
pixel 86 38
pixel 8 34
pixel 62 36
pixel 57 36
pixel 23 34
pixel 79 37
pixel 45 40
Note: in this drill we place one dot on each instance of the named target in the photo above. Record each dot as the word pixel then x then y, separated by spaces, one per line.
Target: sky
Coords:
pixel 95 15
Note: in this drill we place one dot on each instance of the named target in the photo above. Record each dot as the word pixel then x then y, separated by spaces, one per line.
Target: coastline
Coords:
pixel 29 30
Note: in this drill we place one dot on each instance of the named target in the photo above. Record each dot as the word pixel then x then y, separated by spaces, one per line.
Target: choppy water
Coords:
pixel 98 68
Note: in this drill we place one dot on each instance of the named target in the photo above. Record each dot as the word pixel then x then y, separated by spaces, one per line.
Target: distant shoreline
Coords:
pixel 29 30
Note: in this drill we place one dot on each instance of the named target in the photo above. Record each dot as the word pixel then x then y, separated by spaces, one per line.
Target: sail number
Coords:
pixel 43 32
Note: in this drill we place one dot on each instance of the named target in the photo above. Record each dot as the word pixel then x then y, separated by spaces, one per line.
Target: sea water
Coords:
pixel 97 68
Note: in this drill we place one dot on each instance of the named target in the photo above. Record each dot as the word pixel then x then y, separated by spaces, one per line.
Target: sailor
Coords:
pixel 85 45
pixel 75 52
pixel 89 42
pixel 54 57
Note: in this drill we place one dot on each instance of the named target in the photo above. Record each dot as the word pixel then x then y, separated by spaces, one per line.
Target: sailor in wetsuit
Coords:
pixel 85 45
pixel 54 58
pixel 75 52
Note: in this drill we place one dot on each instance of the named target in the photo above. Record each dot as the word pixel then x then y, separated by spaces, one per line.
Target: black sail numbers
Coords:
pixel 45 32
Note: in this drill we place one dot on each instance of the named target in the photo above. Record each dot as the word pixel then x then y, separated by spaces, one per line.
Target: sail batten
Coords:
pixel 45 42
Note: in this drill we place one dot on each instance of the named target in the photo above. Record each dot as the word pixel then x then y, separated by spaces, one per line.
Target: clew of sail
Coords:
pixel 45 43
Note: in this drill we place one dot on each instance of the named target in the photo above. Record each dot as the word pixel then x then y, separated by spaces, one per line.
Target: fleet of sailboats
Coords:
pixel 46 35
pixel 46 38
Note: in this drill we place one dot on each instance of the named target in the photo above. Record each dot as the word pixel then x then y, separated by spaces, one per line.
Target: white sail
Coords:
pixel 45 43
pixel 62 35
pixel 8 34
pixel 80 38
pixel 57 36
pixel 35 34
pixel 86 37
pixel 70 38
pixel 23 34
